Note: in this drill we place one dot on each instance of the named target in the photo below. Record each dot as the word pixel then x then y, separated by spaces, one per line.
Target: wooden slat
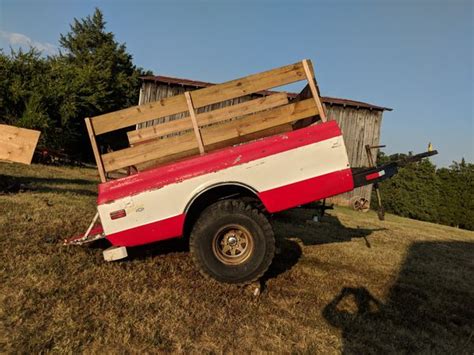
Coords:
pixel 202 97
pixel 137 114
pixel 206 118
pixel 211 135
pixel 309 72
pixel 249 85
pixel 192 115
pixel 17 144
pixel 95 149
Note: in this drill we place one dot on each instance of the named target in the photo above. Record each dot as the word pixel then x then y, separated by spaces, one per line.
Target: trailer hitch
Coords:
pixel 375 174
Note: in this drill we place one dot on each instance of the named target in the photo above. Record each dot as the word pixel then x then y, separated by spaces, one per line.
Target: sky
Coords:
pixel 413 56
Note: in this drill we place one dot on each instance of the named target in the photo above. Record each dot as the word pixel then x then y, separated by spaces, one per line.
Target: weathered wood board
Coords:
pixel 17 144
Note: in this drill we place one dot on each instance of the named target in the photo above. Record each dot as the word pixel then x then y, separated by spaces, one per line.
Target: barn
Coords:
pixel 359 121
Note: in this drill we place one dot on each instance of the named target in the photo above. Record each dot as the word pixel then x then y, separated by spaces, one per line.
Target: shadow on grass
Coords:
pixel 429 307
pixel 296 224
pixel 175 245
pixel 287 231
pixel 15 184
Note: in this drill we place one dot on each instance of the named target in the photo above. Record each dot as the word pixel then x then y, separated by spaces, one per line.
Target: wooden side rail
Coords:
pixel 156 149
pixel 207 118
pixel 202 97
pixel 198 131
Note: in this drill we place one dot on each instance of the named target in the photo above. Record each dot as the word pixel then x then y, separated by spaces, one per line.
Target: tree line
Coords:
pixel 422 191
pixel 91 74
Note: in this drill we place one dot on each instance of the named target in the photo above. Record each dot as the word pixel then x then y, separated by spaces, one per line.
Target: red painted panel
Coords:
pixel 275 200
pixel 149 233
pixel 215 161
pixel 306 191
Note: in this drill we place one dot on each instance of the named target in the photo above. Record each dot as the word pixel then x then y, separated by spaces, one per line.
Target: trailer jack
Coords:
pixel 115 253
pixel 380 209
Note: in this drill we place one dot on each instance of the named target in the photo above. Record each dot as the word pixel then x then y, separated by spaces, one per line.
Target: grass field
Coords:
pixel 350 283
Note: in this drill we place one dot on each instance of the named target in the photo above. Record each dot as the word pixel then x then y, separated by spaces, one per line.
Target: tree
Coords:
pixel 462 185
pixel 95 73
pixel 103 75
pixel 421 191
pixel 26 98
pixel 413 192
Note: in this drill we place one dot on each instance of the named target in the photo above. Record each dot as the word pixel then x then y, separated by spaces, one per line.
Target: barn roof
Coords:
pixel 202 84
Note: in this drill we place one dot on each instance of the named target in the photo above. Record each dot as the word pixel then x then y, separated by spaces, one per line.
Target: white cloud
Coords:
pixel 21 40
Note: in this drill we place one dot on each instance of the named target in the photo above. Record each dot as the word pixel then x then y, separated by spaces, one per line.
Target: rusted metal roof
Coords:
pixel 202 84
pixel 352 103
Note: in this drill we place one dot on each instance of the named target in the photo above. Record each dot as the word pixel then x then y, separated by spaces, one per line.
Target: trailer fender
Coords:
pixel 213 193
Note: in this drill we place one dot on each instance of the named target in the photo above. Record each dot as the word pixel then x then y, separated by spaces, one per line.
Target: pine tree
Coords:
pixel 95 74
pixel 100 75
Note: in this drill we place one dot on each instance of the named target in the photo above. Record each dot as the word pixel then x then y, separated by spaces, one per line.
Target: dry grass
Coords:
pixel 350 283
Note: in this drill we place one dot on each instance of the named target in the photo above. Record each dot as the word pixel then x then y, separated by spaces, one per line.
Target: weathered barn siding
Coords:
pixel 360 126
pixel 360 122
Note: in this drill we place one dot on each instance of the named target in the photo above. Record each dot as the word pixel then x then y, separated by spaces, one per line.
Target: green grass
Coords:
pixel 350 283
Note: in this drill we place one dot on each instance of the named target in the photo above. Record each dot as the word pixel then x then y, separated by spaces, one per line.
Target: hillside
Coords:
pixel 350 283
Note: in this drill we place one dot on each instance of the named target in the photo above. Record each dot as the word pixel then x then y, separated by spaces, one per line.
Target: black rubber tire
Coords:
pixel 234 212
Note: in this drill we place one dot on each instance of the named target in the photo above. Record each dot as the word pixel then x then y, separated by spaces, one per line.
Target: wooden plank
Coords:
pixel 211 135
pixel 249 84
pixel 309 72
pixel 194 122
pixel 17 144
pixel 206 118
pixel 202 97
pixel 95 149
pixel 137 114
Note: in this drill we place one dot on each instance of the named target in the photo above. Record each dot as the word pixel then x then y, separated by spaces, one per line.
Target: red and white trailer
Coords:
pixel 219 196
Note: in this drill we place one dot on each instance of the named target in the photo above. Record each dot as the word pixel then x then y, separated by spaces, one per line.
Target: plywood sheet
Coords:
pixel 17 144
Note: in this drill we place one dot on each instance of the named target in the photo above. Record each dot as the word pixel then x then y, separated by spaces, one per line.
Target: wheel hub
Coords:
pixel 232 244
pixel 232 240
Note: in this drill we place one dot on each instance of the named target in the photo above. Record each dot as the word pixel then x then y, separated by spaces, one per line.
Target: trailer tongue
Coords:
pixel 212 173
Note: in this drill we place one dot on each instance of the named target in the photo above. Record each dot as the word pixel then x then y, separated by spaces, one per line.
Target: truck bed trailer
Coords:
pixel 215 176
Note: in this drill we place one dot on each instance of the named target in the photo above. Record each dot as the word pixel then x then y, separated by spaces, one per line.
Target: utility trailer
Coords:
pixel 214 175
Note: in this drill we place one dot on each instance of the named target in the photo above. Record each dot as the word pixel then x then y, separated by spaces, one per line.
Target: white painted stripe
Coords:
pixel 262 174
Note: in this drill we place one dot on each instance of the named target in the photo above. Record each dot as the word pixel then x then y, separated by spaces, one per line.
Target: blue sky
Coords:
pixel 414 56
